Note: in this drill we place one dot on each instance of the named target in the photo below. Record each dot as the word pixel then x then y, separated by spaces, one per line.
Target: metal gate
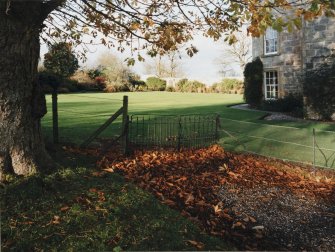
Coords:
pixel 171 131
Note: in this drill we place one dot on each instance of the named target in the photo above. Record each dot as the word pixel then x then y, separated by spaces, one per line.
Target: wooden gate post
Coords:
pixel 125 122
pixel 55 115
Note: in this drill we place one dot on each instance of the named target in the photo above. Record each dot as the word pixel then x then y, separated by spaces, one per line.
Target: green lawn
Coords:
pixel 81 114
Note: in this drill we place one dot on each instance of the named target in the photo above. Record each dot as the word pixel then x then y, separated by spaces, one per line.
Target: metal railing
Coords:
pixel 184 131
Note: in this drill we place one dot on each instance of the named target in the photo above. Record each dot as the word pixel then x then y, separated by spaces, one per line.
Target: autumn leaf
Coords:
pixel 65 208
pixel 56 220
pixel 169 202
pixel 111 170
pixel 217 209
pixel 198 245
pixel 189 199
pixel 253 220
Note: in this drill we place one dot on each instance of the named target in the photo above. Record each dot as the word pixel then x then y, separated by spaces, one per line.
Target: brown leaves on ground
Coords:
pixel 191 180
pixel 214 166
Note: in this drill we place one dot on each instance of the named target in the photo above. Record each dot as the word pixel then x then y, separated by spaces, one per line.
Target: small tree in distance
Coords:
pixel 253 82
pixel 60 60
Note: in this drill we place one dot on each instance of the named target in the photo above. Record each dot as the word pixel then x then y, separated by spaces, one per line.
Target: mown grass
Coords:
pixel 81 114
pixel 76 209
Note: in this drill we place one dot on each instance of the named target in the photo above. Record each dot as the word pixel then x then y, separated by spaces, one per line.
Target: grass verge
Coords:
pixel 76 209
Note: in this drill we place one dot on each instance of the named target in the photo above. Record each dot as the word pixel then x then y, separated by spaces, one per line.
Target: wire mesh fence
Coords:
pixel 185 131
pixel 305 145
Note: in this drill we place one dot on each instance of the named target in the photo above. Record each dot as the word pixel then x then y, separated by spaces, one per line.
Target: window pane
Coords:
pixel 270 40
pixel 271 84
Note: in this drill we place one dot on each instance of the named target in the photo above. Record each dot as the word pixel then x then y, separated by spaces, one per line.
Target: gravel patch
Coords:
pixel 285 220
pixel 280 117
pixel 272 116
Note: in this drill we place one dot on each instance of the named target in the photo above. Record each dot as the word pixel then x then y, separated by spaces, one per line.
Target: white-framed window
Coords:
pixel 270 41
pixel 271 85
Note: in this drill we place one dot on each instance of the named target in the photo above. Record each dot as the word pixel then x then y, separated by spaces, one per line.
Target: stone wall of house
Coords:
pixel 319 41
pixel 287 62
pixel 302 49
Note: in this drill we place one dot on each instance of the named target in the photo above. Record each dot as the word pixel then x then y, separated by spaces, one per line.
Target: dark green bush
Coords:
pixel 156 84
pixel 319 89
pixel 49 80
pixel 90 86
pixel 253 82
pixel 95 72
pixel 71 85
pixel 136 84
pixel 291 103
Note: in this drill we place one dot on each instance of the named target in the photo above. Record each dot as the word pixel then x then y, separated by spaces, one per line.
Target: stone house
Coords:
pixel 286 56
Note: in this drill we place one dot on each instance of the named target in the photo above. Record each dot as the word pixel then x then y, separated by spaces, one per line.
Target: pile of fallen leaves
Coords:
pixel 191 181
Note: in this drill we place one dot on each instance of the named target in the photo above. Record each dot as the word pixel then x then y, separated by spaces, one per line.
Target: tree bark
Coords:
pixel 22 102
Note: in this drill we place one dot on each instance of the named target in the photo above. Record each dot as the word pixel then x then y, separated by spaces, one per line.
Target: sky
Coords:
pixel 202 66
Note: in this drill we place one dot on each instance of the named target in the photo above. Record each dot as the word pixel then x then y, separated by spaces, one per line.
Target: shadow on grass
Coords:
pixel 76 129
pixel 246 124
pixel 82 210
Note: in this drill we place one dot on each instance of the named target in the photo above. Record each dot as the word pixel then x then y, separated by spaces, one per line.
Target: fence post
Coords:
pixel 55 115
pixel 125 122
pixel 217 126
pixel 314 143
pixel 179 133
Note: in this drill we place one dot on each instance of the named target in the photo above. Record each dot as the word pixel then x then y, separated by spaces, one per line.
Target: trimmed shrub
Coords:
pixel 191 86
pixel 195 87
pixel 156 84
pixel 319 89
pixel 253 82
pixel 228 86
pixel 116 88
pixel 181 84
pixel 170 89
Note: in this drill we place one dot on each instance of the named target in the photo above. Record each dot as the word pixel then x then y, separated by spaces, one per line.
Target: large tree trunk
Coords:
pixel 22 103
